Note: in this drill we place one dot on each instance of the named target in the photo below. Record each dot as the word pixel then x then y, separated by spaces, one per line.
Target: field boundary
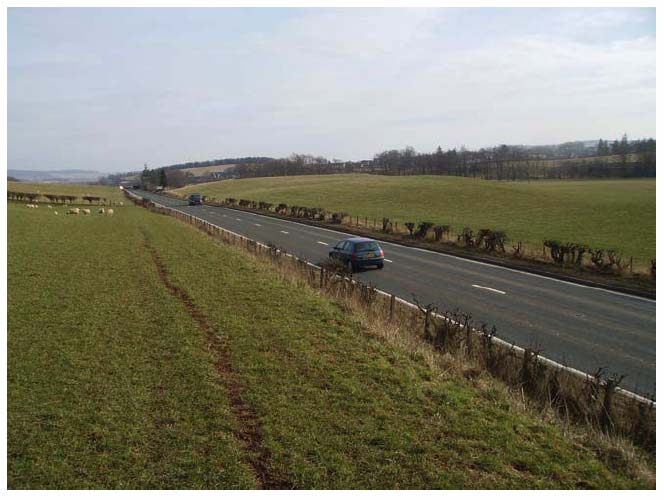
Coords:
pixel 531 268
pixel 586 398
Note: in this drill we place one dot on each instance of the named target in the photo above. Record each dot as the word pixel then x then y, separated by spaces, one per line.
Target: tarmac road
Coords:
pixel 581 326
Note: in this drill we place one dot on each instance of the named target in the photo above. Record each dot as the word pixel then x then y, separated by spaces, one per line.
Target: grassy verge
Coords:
pixel 608 214
pixel 143 353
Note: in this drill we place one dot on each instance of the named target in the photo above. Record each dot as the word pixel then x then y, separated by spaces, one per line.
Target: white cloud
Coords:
pixel 343 83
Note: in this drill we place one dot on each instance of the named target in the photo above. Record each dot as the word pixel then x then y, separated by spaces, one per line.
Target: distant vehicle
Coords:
pixel 357 253
pixel 195 199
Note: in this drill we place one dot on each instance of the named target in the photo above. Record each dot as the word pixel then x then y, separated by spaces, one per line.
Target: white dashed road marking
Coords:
pixel 238 219
pixel 285 232
pixel 387 260
pixel 490 289
pixel 257 224
pixel 322 243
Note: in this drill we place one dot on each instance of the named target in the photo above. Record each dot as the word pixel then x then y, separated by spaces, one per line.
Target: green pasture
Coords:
pixel 108 192
pixel 616 214
pixel 113 384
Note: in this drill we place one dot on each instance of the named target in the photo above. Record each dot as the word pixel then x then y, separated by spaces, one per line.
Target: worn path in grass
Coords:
pixel 608 214
pixel 144 354
pixel 110 381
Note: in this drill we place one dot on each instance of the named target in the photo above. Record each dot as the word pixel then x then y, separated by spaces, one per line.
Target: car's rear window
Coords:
pixel 367 246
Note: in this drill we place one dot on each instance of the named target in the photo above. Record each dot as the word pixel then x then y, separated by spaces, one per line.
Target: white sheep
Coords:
pixel 50 206
pixel 101 211
pixel 55 212
pixel 109 211
pixel 85 211
pixel 29 205
pixel 122 204
pixel 74 211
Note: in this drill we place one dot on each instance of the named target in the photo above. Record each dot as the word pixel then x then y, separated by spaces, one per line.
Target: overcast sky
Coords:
pixel 110 89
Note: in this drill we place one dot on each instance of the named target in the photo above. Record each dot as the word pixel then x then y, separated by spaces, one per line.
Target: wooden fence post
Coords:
pixel 392 303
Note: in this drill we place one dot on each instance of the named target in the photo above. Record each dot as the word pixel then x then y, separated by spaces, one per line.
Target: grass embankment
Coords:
pixel 110 193
pixel 616 214
pixel 144 354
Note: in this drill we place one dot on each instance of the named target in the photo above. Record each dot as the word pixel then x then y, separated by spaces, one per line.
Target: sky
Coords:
pixel 112 89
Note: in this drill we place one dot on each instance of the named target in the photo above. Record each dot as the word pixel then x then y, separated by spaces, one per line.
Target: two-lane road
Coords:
pixel 581 326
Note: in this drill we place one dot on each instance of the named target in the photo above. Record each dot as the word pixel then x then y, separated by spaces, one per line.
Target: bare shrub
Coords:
pixel 557 251
pixel 338 217
pixel 90 199
pixel 411 227
pixel 282 208
pixel 517 250
pixel 606 261
pixel 491 240
pixel 440 231
pixel 467 237
pixel 423 229
pixel 334 266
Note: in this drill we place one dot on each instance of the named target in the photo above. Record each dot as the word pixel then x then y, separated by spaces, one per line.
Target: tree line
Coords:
pixel 604 159
pixel 619 158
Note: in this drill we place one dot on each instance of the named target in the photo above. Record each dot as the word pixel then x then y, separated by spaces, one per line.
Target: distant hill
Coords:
pixel 72 175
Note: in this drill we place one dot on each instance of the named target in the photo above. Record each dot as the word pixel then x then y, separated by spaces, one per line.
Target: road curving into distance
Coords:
pixel 583 327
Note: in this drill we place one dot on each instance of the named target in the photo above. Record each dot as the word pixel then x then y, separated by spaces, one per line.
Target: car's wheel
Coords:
pixel 350 267
pixel 380 266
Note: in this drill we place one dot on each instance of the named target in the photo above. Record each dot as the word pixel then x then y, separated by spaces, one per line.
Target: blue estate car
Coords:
pixel 357 253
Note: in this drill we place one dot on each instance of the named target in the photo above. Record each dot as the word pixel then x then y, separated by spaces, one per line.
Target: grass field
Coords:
pixel 110 193
pixel 144 354
pixel 197 171
pixel 609 214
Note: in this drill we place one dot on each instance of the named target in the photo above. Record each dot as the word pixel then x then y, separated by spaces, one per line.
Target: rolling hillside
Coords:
pixel 608 213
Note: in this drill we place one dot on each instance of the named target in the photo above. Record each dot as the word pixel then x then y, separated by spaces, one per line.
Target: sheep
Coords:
pixel 85 211
pixel 55 212
pixel 50 206
pixel 109 211
pixel 101 211
pixel 74 211
pixel 122 203
pixel 29 205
